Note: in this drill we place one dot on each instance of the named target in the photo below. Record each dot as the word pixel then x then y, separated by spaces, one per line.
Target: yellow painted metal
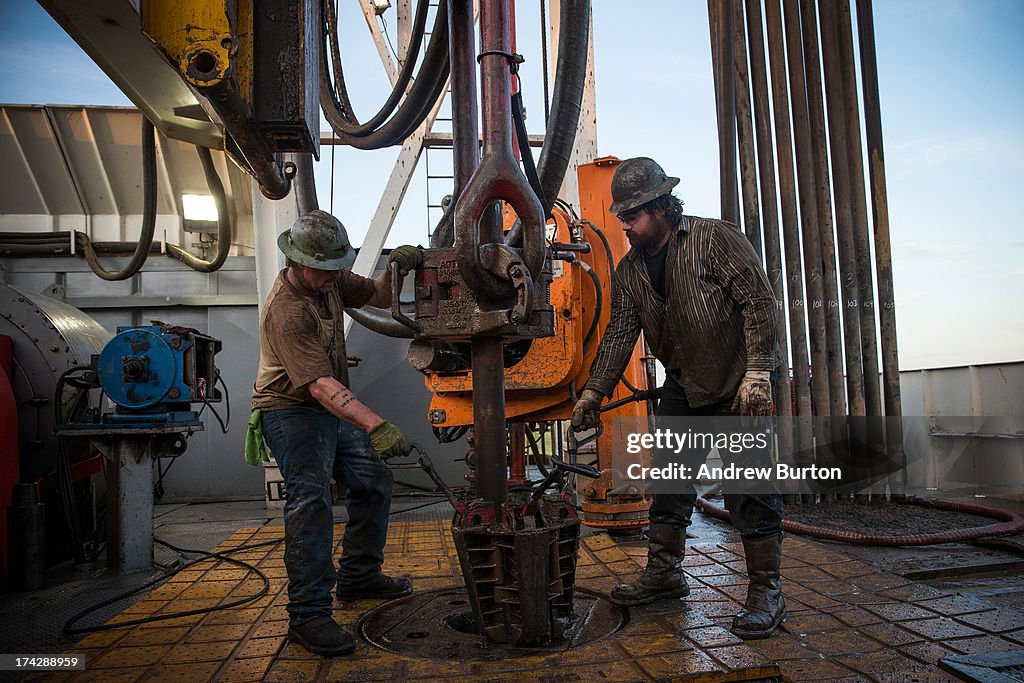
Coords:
pixel 205 41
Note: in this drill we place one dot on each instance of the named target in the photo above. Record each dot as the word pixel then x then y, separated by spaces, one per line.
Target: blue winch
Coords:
pixel 153 373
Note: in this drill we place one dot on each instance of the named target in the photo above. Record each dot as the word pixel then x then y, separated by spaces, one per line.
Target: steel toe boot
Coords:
pixel 663 576
pixel 765 607
pixel 322 636
pixel 380 587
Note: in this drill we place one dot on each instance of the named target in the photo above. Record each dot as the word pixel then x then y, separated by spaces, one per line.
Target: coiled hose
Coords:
pixel 1010 523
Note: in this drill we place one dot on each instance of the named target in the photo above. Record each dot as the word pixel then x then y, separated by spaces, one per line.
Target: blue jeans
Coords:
pixel 754 516
pixel 310 447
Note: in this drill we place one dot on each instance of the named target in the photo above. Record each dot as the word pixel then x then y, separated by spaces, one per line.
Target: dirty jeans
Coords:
pixel 754 515
pixel 310 447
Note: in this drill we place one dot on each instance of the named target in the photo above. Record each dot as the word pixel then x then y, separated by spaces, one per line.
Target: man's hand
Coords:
pixel 407 257
pixel 584 414
pixel 388 440
pixel 754 397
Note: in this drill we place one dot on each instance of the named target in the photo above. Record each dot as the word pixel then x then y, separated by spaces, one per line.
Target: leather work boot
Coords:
pixel 765 607
pixel 663 576
pixel 380 587
pixel 322 636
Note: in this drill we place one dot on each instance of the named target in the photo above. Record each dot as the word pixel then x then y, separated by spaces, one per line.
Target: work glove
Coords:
pixel 584 414
pixel 407 257
pixel 754 397
pixel 388 440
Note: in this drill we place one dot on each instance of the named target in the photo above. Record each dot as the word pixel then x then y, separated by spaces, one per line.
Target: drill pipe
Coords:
pixel 770 218
pixel 720 20
pixel 880 219
pixel 844 219
pixel 819 149
pixel 861 240
pixel 745 132
pixel 790 225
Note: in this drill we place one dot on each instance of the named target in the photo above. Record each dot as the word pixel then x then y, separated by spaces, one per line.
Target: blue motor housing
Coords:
pixel 157 368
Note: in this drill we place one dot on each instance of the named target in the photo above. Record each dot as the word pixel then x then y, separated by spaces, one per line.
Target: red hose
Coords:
pixel 1010 523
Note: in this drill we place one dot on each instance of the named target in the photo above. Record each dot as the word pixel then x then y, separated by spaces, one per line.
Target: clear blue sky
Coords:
pixel 952 94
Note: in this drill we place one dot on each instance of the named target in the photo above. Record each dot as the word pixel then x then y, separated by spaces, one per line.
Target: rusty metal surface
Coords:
pixel 519 566
pixel 437 624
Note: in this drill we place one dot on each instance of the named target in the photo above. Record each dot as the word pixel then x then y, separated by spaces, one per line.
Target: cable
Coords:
pixel 417 507
pixel 148 214
pixel 599 305
pixel 220 555
pixel 216 187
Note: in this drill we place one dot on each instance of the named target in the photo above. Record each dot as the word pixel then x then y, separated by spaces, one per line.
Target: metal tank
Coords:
pixel 48 337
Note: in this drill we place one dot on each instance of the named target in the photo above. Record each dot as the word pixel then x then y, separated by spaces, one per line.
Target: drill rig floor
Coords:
pixel 849 618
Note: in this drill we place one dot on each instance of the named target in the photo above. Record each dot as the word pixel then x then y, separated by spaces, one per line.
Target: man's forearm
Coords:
pixel 339 400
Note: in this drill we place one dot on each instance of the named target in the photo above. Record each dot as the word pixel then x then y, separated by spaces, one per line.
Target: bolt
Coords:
pixel 516 272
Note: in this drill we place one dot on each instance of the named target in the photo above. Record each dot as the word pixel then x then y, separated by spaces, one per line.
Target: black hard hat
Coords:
pixel 638 181
pixel 318 240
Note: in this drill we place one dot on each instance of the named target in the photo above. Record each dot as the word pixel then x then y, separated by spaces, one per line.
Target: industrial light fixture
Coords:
pixel 380 6
pixel 199 212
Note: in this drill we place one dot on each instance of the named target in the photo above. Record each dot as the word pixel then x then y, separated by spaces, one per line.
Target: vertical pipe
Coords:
pixel 790 227
pixel 487 352
pixel 833 371
pixel 788 201
pixel 784 394
pixel 489 419
pixel 720 21
pixel 808 209
pixel 517 454
pixel 861 241
pixel 850 284
pixel 880 220
pixel 745 132
pixel 465 133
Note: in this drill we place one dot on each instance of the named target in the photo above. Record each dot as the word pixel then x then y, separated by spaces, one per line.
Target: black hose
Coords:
pixel 523 138
pixel 353 127
pixel 599 305
pixel 148 214
pixel 223 222
pixel 567 102
pixel 424 92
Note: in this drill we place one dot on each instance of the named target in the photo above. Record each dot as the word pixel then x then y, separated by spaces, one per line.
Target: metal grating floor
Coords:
pixel 848 622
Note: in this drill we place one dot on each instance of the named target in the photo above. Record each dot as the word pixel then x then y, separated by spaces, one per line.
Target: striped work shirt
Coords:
pixel 716 321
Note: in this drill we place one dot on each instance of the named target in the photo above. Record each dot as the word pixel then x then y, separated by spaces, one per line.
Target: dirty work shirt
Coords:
pixel 715 321
pixel 298 346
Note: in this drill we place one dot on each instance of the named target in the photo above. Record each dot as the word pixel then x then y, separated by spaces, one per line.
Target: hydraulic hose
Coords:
pixel 223 222
pixel 148 214
pixel 1010 523
pixel 424 92
pixel 401 83
pixel 380 322
pixel 598 305
pixel 567 100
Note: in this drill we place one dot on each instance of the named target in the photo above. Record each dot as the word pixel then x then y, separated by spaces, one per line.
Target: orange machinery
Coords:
pixel 540 386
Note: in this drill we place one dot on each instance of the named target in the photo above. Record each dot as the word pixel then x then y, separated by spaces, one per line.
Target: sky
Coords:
pixel 951 80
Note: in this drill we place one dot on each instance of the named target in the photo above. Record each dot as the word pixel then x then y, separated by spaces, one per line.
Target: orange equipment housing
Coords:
pixel 541 386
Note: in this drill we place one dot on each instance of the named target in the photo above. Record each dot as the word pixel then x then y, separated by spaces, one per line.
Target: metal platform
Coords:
pixel 847 621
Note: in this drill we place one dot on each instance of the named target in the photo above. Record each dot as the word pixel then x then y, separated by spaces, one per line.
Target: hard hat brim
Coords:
pixel 291 252
pixel 641 199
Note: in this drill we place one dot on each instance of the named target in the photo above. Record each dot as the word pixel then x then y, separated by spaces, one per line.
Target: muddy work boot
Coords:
pixel 663 576
pixel 765 607
pixel 380 587
pixel 322 636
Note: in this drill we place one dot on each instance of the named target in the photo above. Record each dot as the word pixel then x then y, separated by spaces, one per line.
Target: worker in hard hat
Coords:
pixel 316 428
pixel 697 290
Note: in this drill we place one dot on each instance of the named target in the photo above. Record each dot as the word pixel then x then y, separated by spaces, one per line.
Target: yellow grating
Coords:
pixel 846 621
